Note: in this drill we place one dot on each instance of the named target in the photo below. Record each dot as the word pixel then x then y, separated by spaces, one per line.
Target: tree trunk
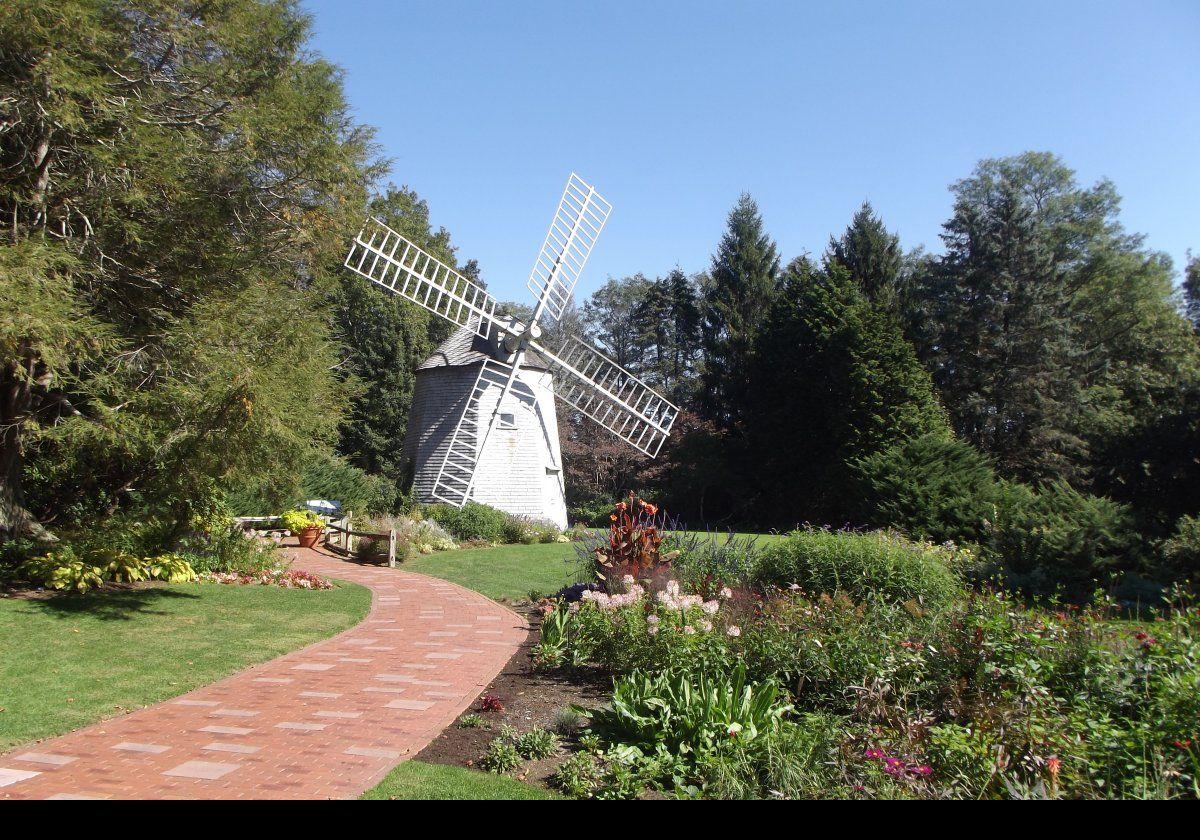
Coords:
pixel 15 399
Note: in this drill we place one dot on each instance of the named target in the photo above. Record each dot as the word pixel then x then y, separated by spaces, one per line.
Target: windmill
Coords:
pixel 453 464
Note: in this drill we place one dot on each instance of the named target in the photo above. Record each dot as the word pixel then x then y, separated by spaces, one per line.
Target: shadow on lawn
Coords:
pixel 108 604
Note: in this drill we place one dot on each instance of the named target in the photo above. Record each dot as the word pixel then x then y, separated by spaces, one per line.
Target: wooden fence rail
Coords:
pixel 342 527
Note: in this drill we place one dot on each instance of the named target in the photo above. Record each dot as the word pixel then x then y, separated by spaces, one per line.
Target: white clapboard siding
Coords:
pixel 520 470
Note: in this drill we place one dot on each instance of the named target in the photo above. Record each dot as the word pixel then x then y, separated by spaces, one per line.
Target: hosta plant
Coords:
pixel 687 718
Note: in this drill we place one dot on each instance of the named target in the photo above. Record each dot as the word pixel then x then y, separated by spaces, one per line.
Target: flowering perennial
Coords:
pixel 286 579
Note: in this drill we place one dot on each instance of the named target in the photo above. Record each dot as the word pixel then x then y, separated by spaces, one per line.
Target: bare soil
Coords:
pixel 531 699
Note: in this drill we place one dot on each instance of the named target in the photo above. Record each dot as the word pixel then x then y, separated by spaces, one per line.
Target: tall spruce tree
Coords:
pixel 1191 291
pixel 832 379
pixel 871 254
pixel 741 287
pixel 1003 358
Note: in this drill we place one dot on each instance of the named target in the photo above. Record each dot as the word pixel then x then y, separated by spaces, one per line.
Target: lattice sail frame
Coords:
pixel 588 381
pixel 581 215
pixel 601 389
pixel 385 257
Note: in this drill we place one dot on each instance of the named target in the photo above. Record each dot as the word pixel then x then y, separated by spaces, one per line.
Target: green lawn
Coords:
pixel 417 780
pixel 509 572
pixel 72 660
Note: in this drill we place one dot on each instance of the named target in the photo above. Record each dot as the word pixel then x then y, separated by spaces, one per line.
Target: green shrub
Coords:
pixel 65 569
pixel 1181 553
pixel 877 564
pixel 929 487
pixel 501 756
pixel 536 744
pixel 1058 538
pixel 472 721
pixel 707 562
pixel 685 720
pixel 578 776
pixel 472 521
pixel 593 514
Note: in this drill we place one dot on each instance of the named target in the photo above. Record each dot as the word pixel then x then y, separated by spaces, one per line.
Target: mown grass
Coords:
pixel 71 660
pixel 417 780
pixel 504 573
pixel 509 572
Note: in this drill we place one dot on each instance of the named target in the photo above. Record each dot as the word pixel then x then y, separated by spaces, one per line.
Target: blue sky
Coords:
pixel 672 109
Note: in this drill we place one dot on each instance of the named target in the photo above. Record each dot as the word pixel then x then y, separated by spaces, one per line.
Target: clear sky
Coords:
pixel 672 109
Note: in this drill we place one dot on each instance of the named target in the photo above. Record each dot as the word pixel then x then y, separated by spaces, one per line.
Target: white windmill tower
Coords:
pixel 483 425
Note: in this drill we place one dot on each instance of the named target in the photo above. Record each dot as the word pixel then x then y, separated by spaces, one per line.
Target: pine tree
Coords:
pixel 1003 360
pixel 872 255
pixel 1191 291
pixel 740 290
pixel 832 379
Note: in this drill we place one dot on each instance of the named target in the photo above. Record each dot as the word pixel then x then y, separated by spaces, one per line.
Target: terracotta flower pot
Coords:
pixel 309 536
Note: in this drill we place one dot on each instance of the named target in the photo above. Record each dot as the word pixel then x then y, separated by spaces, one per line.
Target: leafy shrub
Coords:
pixel 929 487
pixel 578 776
pixel 501 756
pixel 528 531
pixel 706 563
pixel 800 761
pixel 1058 537
pixel 472 521
pixel 65 569
pixel 536 744
pixel 863 565
pixel 1181 553
pixel 300 520
pixel 471 721
pixel 593 514
pixel 683 720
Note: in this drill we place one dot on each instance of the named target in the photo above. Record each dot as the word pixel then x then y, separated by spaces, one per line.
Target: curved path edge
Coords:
pixel 326 721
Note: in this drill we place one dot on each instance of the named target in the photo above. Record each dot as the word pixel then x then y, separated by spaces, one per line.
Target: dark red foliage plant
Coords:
pixel 490 703
pixel 634 542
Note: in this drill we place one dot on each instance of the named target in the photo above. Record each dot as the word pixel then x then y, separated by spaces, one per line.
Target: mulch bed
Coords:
pixel 531 699
pixel 31 592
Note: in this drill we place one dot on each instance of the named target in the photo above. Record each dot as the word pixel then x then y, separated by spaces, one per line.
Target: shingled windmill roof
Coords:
pixel 466 347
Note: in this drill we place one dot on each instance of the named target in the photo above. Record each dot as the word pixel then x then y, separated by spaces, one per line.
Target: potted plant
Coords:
pixel 305 526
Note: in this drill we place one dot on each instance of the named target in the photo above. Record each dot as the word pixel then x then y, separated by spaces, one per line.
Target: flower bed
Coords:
pixel 283 578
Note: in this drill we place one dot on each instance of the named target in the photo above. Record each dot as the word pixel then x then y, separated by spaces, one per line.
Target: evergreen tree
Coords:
pixel 832 379
pixel 1191 291
pixel 176 179
pixel 741 287
pixel 385 338
pixel 1003 354
pixel 872 255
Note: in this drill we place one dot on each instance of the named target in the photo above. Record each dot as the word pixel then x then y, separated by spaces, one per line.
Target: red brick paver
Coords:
pixel 327 721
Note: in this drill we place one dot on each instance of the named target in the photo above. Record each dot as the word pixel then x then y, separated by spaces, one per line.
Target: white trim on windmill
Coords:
pixel 589 382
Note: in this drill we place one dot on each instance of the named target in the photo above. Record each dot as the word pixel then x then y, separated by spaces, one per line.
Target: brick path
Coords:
pixel 327 721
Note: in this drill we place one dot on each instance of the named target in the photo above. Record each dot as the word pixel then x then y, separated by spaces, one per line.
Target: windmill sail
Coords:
pixel 574 229
pixel 598 387
pixel 457 474
pixel 385 257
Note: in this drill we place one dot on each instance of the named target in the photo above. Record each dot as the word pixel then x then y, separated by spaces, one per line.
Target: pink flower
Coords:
pixel 733 630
